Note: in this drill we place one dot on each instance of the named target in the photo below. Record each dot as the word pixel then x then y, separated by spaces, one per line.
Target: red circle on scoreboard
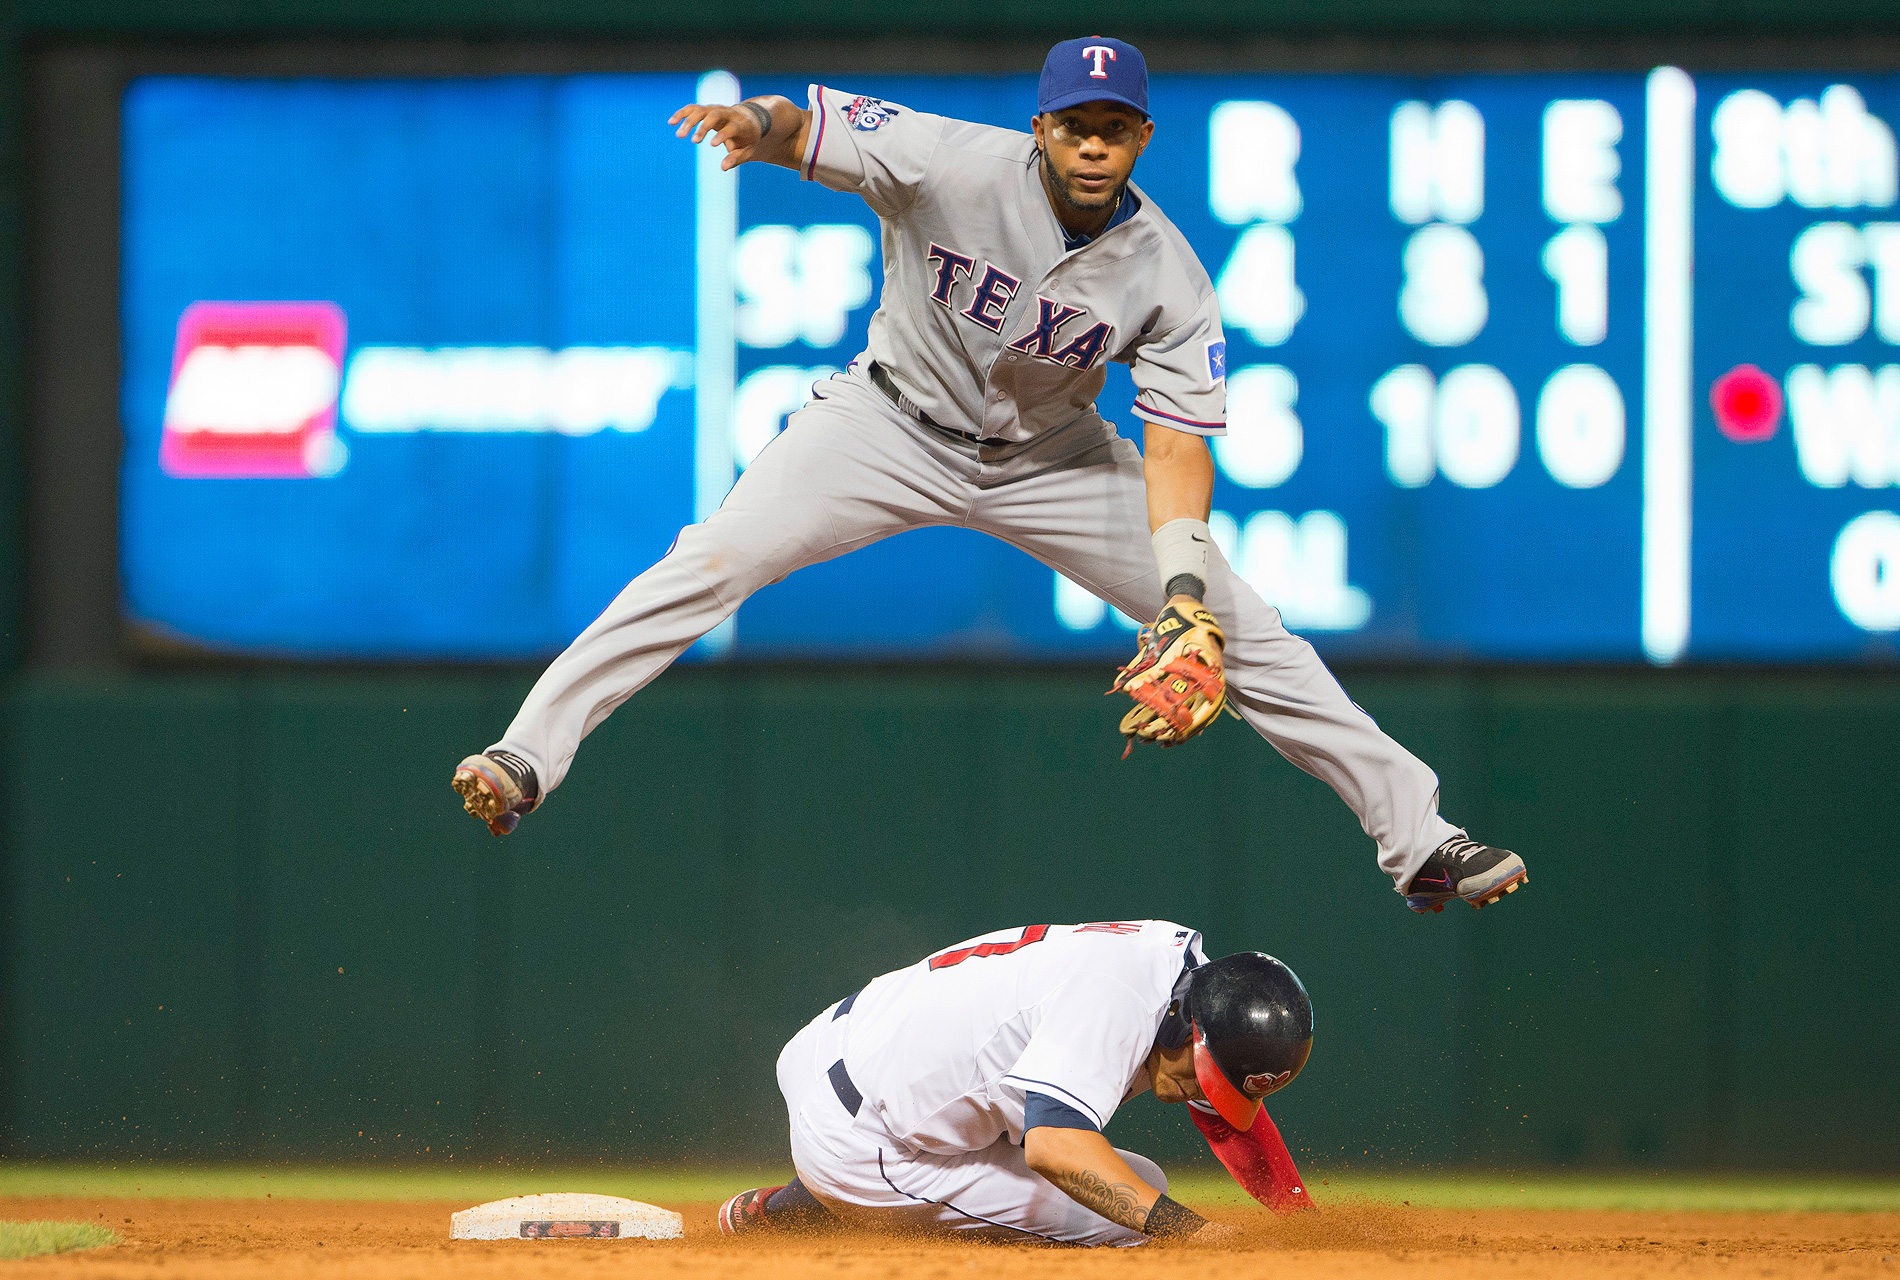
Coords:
pixel 1747 404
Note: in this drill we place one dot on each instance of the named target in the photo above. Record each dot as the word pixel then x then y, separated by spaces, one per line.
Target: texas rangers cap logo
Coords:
pixel 1262 1083
pixel 867 114
pixel 1093 69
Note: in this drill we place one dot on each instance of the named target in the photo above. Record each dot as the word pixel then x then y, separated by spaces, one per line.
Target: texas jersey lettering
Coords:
pixel 991 298
pixel 1015 329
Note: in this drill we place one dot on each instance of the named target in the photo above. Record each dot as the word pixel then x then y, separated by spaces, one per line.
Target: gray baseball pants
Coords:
pixel 851 468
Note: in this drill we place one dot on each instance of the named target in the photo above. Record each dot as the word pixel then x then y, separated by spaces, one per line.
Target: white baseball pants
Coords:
pixel 851 469
pixel 868 1179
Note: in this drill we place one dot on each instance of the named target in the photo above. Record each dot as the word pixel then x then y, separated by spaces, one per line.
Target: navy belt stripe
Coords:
pixel 841 1085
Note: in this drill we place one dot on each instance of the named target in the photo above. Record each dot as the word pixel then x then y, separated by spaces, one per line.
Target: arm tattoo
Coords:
pixel 1118 1202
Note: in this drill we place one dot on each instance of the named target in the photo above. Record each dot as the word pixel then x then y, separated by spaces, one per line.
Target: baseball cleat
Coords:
pixel 497 787
pixel 745 1211
pixel 1461 868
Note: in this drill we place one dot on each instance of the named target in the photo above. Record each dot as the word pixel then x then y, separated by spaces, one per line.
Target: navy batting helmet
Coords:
pixel 1253 1028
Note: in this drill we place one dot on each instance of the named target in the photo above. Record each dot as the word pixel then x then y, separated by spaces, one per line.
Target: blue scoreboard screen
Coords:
pixel 1521 367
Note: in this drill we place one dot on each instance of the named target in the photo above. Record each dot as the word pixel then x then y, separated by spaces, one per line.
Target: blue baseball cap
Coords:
pixel 1093 69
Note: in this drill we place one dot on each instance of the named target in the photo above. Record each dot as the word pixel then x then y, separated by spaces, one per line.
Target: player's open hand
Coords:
pixel 734 128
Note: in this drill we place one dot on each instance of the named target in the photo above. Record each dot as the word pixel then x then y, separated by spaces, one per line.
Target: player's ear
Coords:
pixel 1035 126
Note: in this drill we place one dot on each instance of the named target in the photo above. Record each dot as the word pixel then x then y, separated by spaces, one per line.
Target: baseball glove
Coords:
pixel 1175 679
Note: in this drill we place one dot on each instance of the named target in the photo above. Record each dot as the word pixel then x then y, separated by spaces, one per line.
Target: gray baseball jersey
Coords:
pixel 987 322
pixel 997 331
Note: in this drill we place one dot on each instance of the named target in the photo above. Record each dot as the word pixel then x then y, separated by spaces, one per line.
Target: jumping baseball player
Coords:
pixel 1015 266
pixel 969 1091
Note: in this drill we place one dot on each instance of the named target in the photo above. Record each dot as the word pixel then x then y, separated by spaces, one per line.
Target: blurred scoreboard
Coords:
pixel 1521 367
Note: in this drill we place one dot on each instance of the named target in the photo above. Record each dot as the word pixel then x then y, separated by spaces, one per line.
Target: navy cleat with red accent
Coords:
pixel 745 1212
pixel 786 1208
pixel 498 787
pixel 1461 868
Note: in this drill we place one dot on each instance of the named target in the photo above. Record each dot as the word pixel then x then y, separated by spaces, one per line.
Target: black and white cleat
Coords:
pixel 1461 868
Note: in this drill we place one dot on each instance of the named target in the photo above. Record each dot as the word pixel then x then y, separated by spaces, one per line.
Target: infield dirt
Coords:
pixel 380 1240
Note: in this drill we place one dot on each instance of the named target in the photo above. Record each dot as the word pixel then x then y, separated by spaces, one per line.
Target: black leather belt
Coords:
pixel 840 1078
pixel 888 385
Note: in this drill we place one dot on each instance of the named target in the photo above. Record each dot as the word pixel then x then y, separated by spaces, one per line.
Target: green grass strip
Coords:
pixel 31 1239
pixel 1639 1192
pixel 474 1185
pixel 1646 1192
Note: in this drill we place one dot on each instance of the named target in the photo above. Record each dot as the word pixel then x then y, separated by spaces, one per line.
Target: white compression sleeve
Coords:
pixel 1181 551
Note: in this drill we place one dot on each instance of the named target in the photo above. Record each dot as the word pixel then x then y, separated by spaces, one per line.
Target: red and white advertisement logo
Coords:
pixel 254 391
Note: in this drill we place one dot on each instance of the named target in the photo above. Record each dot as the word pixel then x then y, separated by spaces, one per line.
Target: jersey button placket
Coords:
pixel 994 397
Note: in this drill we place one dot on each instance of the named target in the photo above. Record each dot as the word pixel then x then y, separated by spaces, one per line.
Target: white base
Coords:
pixel 566 1215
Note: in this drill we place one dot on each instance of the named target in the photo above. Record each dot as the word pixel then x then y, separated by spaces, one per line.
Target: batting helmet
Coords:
pixel 1253 1028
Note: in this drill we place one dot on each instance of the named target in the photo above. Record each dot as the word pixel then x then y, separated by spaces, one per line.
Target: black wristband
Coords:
pixel 1171 1220
pixel 760 114
pixel 1186 584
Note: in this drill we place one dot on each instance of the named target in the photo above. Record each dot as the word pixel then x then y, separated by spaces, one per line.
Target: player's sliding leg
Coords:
pixel 990 1194
pixel 993 1194
pixel 840 476
pixel 1087 517
pixel 787 1208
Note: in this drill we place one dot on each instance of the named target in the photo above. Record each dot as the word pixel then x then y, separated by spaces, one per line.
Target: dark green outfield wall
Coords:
pixel 250 920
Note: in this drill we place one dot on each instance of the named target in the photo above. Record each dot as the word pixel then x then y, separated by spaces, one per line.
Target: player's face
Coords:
pixel 1173 1075
pixel 1089 151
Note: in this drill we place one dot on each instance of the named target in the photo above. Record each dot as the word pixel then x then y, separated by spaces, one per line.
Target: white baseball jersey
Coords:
pixel 945 1051
pixel 987 321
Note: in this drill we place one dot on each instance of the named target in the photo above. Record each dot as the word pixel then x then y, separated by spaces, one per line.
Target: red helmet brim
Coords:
pixel 1235 1107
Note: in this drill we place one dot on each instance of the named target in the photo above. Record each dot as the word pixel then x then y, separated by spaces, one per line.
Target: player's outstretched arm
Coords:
pixel 1179 471
pixel 771 128
pixel 1177 678
pixel 1087 1169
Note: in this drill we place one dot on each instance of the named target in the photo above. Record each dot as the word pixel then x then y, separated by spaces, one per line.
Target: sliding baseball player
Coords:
pixel 1016 266
pixel 969 1091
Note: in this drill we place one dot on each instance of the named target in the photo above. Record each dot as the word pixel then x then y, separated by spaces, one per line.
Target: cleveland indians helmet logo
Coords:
pixel 1262 1083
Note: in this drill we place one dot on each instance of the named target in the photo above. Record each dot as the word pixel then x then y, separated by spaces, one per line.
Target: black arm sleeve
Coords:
pixel 1172 1220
